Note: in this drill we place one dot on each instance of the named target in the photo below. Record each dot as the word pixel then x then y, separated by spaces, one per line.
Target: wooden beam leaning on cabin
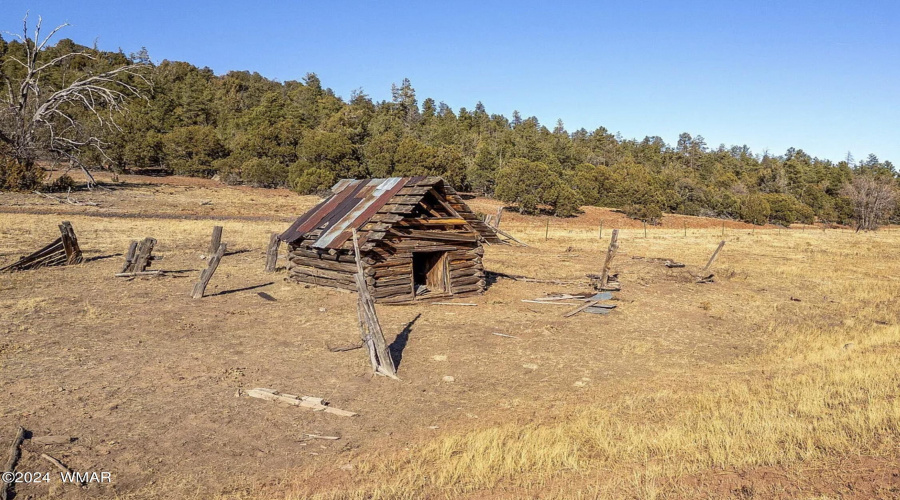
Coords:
pixel 369 328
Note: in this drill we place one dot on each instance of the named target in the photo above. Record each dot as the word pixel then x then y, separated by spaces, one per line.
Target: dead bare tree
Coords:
pixel 874 199
pixel 40 118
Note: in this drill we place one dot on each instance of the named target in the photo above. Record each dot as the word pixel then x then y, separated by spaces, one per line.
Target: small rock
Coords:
pixel 433 427
pixel 439 357
pixel 322 309
pixel 448 378
pixel 347 467
pixel 530 366
pixel 848 346
pixel 580 383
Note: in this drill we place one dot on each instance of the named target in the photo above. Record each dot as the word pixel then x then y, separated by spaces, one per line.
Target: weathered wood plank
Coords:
pixel 323 273
pixel 465 280
pixel 371 335
pixel 215 240
pixel 129 257
pixel 272 253
pixel 339 257
pixel 436 235
pixel 206 274
pixel 70 243
pixel 393 281
pixel 463 289
pixel 313 280
pixel 458 274
pixel 330 265
pixel 144 255
pixel 389 291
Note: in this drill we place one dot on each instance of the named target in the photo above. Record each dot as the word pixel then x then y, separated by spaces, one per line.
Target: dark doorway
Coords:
pixel 430 274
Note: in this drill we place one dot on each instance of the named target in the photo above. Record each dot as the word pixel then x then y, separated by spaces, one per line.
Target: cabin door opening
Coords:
pixel 430 273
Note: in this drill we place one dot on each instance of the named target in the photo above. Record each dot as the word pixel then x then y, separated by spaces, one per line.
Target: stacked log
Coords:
pixel 321 268
pixel 466 271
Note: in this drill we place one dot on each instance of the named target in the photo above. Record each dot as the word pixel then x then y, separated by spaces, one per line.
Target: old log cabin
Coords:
pixel 418 240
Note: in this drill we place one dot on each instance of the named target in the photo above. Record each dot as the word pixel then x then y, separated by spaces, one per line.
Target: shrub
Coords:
pixel 787 210
pixel 15 176
pixel 263 172
pixel 648 213
pixel 311 181
pixel 755 209
pixel 62 183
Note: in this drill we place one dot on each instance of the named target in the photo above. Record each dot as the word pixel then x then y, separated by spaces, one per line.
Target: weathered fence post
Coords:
pixel 713 258
pixel 369 328
pixel 604 275
pixel 129 257
pixel 547 231
pixel 206 274
pixel 142 260
pixel 216 239
pixel 70 243
pixel 272 252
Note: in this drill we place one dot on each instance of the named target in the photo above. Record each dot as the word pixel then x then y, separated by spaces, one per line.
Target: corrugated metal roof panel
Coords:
pixel 353 203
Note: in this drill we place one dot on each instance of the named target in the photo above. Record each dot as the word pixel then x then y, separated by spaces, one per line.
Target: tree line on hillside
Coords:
pixel 247 129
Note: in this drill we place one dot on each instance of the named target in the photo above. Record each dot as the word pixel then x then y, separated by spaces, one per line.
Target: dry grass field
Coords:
pixel 779 380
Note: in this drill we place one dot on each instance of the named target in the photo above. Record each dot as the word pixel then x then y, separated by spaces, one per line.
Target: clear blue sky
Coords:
pixel 823 76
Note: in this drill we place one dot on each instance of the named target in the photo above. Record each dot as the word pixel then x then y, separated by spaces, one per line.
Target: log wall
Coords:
pixel 389 268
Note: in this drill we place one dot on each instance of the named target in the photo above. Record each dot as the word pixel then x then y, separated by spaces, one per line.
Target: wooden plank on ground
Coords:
pixel 315 404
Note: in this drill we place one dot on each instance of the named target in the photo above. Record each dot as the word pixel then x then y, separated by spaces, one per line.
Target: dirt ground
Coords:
pixel 150 382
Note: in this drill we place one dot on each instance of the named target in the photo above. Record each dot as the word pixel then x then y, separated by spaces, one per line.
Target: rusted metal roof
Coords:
pixel 353 203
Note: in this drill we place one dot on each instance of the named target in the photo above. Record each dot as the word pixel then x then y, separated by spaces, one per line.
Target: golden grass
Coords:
pixel 825 387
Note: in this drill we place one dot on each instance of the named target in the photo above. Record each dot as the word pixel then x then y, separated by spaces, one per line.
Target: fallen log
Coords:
pixel 315 404
pixel 14 454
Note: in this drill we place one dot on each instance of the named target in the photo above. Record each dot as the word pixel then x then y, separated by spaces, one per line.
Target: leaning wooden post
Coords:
pixel 713 258
pixel 144 255
pixel 604 276
pixel 370 329
pixel 610 253
pixel 216 239
pixel 547 231
pixel 601 230
pixel 206 274
pixel 499 216
pixel 645 228
pixel 129 257
pixel 70 243
pixel 272 252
